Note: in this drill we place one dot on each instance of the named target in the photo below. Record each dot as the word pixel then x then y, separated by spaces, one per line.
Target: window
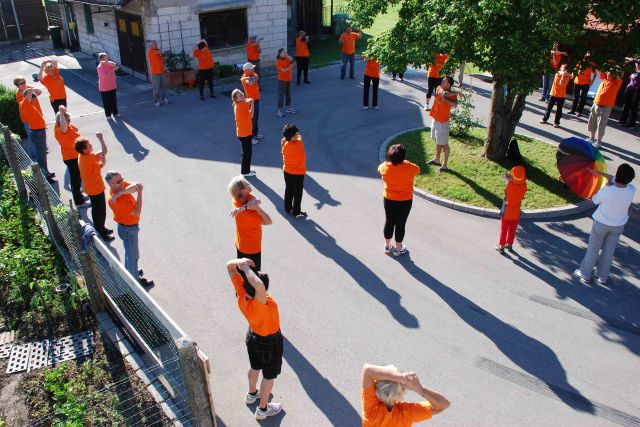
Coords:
pixel 88 18
pixel 225 28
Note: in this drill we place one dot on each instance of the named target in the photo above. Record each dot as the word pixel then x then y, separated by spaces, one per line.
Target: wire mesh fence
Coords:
pixel 151 328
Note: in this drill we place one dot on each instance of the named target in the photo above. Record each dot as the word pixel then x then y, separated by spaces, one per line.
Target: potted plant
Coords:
pixel 189 74
pixel 174 75
pixel 226 70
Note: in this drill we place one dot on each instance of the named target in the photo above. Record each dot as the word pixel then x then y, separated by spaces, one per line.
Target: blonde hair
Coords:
pixel 236 185
pixel 18 80
pixel 389 392
pixel 234 94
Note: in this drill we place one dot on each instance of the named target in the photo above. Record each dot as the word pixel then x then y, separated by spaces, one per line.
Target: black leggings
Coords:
pixel 205 75
pixel 99 213
pixel 432 84
pixel 396 214
pixel 56 103
pixel 293 186
pixel 256 258
pixel 303 67
pixel 75 180
pixel 247 148
pixel 109 102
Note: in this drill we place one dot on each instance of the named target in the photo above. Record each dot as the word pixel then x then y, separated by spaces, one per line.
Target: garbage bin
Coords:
pixel 56 36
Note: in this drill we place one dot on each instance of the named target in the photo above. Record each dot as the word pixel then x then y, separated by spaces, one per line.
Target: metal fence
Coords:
pixel 179 366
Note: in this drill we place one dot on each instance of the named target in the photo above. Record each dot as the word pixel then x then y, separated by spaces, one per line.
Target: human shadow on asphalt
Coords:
pixel 625 155
pixel 320 390
pixel 615 304
pixel 128 140
pixel 531 355
pixel 318 192
pixel 326 245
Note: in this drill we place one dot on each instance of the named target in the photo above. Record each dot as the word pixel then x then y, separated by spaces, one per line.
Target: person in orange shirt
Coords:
pixel 249 218
pixel 371 75
pixel 90 164
pixel 514 190
pixel 434 78
pixel 398 175
pixel 251 84
pixel 50 78
pixel 243 112
pixel 603 103
pixel 205 67
pixel 31 114
pixel 156 67
pixel 302 56
pixel 126 213
pixel 264 339
pixel 547 79
pixel 383 389
pixel 348 43
pixel 558 95
pixel 253 52
pixel 284 65
pixel 66 135
pixel 21 85
pixel 445 99
pixel 294 165
pixel 585 76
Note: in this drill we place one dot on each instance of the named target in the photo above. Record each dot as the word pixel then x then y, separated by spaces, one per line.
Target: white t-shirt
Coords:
pixel 613 204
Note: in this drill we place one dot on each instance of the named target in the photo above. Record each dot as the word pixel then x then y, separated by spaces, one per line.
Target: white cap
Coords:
pixel 248 66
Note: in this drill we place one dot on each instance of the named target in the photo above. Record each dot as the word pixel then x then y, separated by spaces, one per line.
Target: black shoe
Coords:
pixel 341 78
pixel 108 231
pixel 140 273
pixel 213 95
pixel 307 82
pixel 107 238
pixel 297 83
pixel 301 215
pixel 201 98
pixel 145 282
pixel 50 179
pixel 352 78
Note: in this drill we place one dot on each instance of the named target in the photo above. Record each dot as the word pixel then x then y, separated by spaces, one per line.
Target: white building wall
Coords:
pixel 104 38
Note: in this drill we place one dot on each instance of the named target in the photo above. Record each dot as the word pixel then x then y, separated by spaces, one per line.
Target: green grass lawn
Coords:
pixel 474 180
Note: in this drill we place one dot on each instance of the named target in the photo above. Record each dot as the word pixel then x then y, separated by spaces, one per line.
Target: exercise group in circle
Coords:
pixel 382 387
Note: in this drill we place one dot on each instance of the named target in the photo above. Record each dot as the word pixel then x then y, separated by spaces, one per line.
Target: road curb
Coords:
pixel 547 213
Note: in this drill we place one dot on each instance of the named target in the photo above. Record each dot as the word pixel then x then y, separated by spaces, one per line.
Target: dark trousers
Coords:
pixel 579 98
pixel 554 101
pixel 630 109
pixel 396 214
pixel 76 181
pixel 246 153
pixel 367 82
pixel 351 59
pixel 401 75
pixel 303 67
pixel 293 186
pixel 56 103
pixel 256 115
pixel 257 65
pixel 99 213
pixel 256 258
pixel 205 75
pixel 109 102
pixel 432 84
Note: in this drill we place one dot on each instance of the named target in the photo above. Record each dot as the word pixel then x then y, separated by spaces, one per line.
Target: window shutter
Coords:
pixel 225 28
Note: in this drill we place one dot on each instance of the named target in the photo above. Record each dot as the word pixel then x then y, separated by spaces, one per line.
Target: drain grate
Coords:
pixel 5 350
pixel 19 359
pixel 39 355
pixel 71 347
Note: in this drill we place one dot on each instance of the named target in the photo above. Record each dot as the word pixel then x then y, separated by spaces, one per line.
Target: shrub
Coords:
pixel 171 60
pixel 462 120
pixel 9 114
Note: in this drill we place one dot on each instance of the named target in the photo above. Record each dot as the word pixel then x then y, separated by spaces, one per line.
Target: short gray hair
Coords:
pixel 101 54
pixel 389 392
pixel 109 176
pixel 236 185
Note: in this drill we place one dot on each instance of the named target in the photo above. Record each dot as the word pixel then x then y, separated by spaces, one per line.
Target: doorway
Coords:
pixel 131 42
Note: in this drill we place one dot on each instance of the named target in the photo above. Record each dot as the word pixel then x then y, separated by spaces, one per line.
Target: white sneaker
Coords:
pixel 251 173
pixel 280 113
pixel 597 145
pixel 376 108
pixel 166 101
pixel 250 398
pixel 579 275
pixel 291 110
pixel 272 409
pixel 259 136
pixel 255 141
pixel 426 108
pixel 157 104
pixel 366 107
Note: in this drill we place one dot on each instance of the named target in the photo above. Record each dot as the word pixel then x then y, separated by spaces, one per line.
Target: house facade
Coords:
pixel 121 27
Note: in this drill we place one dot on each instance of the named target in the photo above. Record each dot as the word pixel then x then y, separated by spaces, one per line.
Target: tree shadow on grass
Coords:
pixel 531 355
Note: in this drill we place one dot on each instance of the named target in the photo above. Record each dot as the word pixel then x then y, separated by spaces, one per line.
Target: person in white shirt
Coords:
pixel 608 223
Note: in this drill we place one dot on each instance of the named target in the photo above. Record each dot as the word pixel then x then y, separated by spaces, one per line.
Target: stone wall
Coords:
pixel 104 38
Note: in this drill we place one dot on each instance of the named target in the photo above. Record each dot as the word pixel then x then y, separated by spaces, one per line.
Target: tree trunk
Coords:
pixel 504 115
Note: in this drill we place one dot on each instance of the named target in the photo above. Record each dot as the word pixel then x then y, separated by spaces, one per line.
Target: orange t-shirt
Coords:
pixel 284 76
pixel 31 113
pixel 253 54
pixel 607 91
pixel 55 85
pixel 248 229
pixel 349 43
pixel 302 48
pixel 559 86
pixel 293 156
pixel 398 180
pixel 372 68
pixel 205 58
pixel 514 194
pixel 434 69
pixel 555 60
pixel 123 207
pixel 244 124
pixel 156 61
pixel 441 110
pixel 20 97
pixel 67 141
pixel 263 319
pixel 251 90
pixel 584 78
pixel 91 174
pixel 403 414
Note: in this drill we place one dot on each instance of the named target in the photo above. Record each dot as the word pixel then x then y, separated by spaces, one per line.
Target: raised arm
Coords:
pixel 64 125
pixel 254 205
pixel 373 373
pixel 103 146
pixel 255 282
pixel 41 72
pixel 137 208
pixel 438 402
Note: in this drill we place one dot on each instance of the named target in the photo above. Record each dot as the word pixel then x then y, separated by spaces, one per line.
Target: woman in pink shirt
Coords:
pixel 107 85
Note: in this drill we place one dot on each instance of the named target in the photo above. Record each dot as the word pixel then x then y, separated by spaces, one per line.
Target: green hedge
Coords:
pixel 9 114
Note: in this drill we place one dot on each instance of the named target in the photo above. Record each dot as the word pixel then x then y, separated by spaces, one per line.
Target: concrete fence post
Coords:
pixel 195 370
pixel 43 197
pixel 13 162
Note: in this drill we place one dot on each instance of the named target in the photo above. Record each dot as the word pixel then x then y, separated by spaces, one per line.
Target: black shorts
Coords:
pixel 265 353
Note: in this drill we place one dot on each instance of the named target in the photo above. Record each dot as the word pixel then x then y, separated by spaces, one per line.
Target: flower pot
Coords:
pixel 174 78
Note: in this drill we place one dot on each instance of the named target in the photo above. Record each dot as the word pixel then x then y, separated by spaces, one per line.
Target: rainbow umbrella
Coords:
pixel 575 157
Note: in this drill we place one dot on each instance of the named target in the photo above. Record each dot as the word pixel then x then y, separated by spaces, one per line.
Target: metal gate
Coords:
pixel 30 16
pixel 131 42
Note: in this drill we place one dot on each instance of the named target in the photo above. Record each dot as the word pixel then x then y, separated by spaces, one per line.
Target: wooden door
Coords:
pixel 131 42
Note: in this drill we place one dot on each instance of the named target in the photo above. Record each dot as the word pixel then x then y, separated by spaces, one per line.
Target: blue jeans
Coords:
pixel 351 59
pixel 547 81
pixel 39 140
pixel 256 115
pixel 129 236
pixel 30 151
